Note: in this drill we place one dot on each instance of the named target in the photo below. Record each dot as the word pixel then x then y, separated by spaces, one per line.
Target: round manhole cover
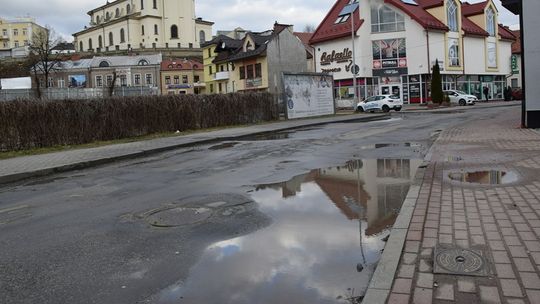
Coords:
pixel 460 261
pixel 178 216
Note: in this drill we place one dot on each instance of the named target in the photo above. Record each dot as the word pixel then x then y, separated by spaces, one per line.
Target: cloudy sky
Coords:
pixel 68 16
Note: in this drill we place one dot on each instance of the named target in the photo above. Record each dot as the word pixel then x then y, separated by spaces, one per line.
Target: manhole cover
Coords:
pixel 174 217
pixel 460 261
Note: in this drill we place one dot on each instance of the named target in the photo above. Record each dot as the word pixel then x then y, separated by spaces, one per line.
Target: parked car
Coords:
pixel 460 98
pixel 383 103
pixel 517 94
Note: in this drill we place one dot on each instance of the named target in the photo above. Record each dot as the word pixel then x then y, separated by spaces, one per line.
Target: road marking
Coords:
pixel 13 209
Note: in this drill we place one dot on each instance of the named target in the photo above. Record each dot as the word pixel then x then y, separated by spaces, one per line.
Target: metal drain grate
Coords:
pixel 458 261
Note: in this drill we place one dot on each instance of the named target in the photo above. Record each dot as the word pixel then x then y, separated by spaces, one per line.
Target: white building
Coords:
pixel 138 24
pixel 397 42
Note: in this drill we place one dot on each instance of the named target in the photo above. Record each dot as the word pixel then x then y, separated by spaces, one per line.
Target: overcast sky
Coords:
pixel 67 16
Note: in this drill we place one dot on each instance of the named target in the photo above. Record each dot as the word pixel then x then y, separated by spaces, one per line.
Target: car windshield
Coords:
pixel 394 97
pixel 461 93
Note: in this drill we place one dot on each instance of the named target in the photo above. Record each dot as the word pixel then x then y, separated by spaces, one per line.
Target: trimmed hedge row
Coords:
pixel 26 124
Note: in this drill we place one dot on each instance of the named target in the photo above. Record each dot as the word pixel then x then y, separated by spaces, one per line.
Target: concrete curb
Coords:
pixel 453 109
pixel 381 283
pixel 14 177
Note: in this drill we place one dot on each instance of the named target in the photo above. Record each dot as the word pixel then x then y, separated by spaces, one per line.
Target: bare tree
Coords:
pixel 309 28
pixel 110 86
pixel 44 61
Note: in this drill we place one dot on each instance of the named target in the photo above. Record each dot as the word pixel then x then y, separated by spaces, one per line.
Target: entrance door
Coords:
pixel 391 90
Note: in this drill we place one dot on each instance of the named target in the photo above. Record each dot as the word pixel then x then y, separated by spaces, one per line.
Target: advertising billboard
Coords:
pixel 453 52
pixel 308 94
pixel 389 57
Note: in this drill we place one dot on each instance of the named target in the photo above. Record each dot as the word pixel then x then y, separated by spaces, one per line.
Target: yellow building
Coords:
pixel 216 76
pixel 181 76
pixel 129 24
pixel 18 32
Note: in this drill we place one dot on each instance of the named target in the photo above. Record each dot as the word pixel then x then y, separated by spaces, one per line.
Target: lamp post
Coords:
pixel 353 69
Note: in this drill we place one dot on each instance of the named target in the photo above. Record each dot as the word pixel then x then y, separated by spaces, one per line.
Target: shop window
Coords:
pixel 384 19
pixel 452 15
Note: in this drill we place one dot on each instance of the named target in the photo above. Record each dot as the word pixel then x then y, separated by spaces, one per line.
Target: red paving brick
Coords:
pixel 501 220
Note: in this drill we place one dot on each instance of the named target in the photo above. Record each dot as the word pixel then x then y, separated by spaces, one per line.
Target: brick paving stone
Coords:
pixel 446 229
pixel 445 292
pixel 505 271
pixel 462 243
pixel 430 232
pixel 532 245
pixel 522 227
pixel 517 219
pixel 508 231
pixel 496 245
pixel 398 298
pixel 461 234
pixel 500 257
pixel 425 280
pixel 504 223
pixel 515 301
pixel 425 266
pixel 527 236
pixel 476 231
pixel 518 251
pixel 423 296
pixel 489 295
pixel 445 238
pixel 402 286
pixel 406 271
pixel 493 235
pixel 416 226
pixel 431 224
pixel 466 285
pixel 412 246
pixel 510 288
pixel 409 258
pixel 446 221
pixel 534 223
pixel 429 242
pixel 414 235
pixel 524 264
pixel 533 296
pixel 530 280
pixel 478 240
pixel 512 240
pixel 426 253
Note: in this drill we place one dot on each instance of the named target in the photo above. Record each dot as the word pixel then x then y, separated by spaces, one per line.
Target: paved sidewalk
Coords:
pixel 502 221
pixel 15 169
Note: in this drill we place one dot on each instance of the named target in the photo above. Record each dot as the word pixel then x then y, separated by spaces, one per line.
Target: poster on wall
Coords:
pixel 77 81
pixel 492 55
pixel 453 52
pixel 308 94
pixel 389 57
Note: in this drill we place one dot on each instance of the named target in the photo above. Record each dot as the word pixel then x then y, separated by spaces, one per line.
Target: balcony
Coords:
pixel 221 75
pixel 4 37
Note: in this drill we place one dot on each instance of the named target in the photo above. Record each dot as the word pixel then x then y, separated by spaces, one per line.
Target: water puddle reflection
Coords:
pixel 329 228
pixel 492 177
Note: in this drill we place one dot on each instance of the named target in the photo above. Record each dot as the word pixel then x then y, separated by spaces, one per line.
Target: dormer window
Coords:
pixel 249 46
pixel 103 64
pixel 452 15
pixel 143 62
pixel 490 21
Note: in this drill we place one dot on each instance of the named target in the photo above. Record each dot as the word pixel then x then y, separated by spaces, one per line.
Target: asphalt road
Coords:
pixel 93 236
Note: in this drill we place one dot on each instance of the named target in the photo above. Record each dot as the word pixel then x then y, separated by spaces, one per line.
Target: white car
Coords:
pixel 460 98
pixel 383 103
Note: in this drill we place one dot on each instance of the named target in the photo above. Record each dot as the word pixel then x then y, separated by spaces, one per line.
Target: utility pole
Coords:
pixel 353 69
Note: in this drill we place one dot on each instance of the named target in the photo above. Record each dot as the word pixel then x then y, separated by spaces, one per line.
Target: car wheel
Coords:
pixel 397 109
pixel 462 102
pixel 360 109
pixel 385 109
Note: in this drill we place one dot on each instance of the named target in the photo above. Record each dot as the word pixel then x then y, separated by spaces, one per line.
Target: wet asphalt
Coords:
pixel 92 236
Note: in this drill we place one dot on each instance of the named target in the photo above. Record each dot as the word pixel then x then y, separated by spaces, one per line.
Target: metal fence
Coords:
pixel 68 93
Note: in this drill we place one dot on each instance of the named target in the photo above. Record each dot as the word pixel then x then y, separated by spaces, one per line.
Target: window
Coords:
pixel 15 32
pixel 117 12
pixel 155 29
pixel 176 79
pixel 61 83
pixel 142 62
pixel 202 37
pixel 123 80
pixel 100 42
pixel 137 79
pixel 5 44
pixel 174 32
pixel 242 72
pixel 97 19
pixel 50 83
pixel 342 19
pixel 249 71
pixel 128 9
pixel 80 46
pixel 122 36
pixel 196 78
pixel 142 4
pixel 107 16
pixel 220 88
pixel 490 19
pixel 184 79
pixel 111 40
pixel 210 70
pixel 109 80
pixel 4 32
pixel 25 32
pixel 149 79
pixel 17 43
pixel 211 88
pixel 514 82
pixel 221 68
pixel 452 15
pixel 453 52
pixel 26 42
pixel 384 19
pixel 99 81
pixel 209 53
pixel 103 64
pixel 155 4
pixel 90 44
pixel 258 70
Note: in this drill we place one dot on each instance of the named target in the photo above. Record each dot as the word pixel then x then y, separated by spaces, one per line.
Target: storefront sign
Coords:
pixel 514 64
pixel 390 72
pixel 333 70
pixel 328 58
pixel 389 57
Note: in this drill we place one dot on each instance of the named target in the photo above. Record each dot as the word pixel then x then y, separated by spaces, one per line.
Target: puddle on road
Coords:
pixel 224 145
pixel 277 135
pixel 492 177
pixel 323 245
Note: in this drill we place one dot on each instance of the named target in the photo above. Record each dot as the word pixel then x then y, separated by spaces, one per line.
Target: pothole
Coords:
pixel 223 146
pixel 458 261
pixel 178 216
pixel 489 177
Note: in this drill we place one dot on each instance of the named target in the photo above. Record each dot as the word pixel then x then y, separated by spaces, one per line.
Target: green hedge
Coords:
pixel 26 124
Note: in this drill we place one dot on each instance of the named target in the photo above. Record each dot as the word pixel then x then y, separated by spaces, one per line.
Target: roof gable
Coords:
pixel 419 14
pixel 468 9
pixel 328 30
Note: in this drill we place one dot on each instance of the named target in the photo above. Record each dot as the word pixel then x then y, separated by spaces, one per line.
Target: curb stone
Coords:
pixel 380 284
pixel 137 153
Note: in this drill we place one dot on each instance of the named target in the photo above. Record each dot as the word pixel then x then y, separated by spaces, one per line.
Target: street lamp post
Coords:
pixel 353 69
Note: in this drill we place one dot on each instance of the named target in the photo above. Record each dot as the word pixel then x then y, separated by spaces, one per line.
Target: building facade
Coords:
pixel 397 42
pixel 515 80
pixel 182 76
pixel 18 33
pixel 140 24
pixel 254 63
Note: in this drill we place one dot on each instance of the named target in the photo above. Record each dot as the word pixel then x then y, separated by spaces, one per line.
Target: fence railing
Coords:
pixel 70 93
